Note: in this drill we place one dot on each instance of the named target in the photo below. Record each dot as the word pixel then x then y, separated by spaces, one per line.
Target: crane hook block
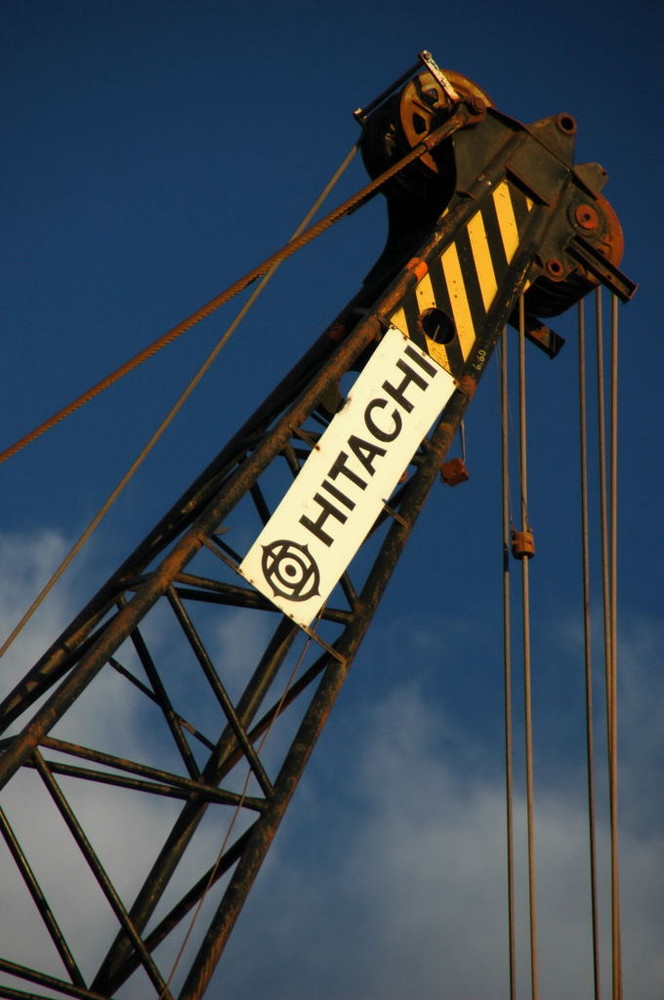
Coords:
pixel 454 472
pixel 523 544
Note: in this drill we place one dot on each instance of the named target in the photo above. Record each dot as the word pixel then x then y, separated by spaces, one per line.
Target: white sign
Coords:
pixel 336 497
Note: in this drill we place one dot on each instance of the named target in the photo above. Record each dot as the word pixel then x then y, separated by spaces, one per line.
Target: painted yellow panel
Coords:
pixel 456 288
pixel 482 257
pixel 438 353
pixel 398 319
pixel 425 296
pixel 506 220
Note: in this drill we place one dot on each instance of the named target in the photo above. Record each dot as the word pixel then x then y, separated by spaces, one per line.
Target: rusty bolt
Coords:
pixel 554 268
pixel 586 216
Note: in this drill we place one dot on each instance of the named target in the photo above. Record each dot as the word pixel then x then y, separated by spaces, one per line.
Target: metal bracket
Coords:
pixel 438 75
pixel 361 114
pixel 610 276
pixel 539 334
pixel 425 59
pixel 395 515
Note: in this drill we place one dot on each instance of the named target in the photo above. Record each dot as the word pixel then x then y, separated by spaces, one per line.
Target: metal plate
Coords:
pixel 327 513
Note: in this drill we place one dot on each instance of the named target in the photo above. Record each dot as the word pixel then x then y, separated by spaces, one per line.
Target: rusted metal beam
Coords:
pixel 548 200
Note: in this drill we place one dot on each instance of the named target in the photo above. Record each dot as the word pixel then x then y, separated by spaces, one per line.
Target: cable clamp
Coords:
pixel 523 544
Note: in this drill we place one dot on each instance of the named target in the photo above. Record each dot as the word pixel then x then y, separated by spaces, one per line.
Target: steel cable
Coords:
pixel 170 416
pixel 507 664
pixel 585 547
pixel 350 205
pixel 613 705
pixel 608 528
pixel 525 526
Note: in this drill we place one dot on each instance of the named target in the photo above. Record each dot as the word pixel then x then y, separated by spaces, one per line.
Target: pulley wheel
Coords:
pixel 423 104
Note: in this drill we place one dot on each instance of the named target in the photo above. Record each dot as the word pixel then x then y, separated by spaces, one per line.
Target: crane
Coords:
pixel 298 524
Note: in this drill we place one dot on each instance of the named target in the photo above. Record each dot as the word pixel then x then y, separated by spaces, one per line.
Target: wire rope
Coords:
pixel 613 705
pixel 608 529
pixel 588 675
pixel 530 796
pixel 604 531
pixel 507 663
pixel 170 416
pixel 606 607
pixel 350 205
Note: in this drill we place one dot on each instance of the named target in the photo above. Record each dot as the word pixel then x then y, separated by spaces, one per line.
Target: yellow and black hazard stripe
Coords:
pixel 446 310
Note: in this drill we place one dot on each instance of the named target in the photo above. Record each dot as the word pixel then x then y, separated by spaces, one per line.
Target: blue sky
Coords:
pixel 153 153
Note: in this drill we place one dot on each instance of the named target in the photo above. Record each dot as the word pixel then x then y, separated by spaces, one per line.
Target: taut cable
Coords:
pixel 587 631
pixel 170 416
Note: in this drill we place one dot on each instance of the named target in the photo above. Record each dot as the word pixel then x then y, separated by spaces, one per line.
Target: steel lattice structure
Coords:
pixel 504 213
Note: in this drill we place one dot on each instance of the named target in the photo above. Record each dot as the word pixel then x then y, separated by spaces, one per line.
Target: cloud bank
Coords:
pixel 388 878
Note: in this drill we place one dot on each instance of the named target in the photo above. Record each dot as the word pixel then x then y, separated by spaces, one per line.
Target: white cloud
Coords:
pixel 393 885
pixel 407 894
pixel 27 562
pixel 126 829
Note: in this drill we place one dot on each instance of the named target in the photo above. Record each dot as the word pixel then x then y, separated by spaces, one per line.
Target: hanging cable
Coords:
pixel 507 647
pixel 307 236
pixel 608 511
pixel 525 529
pixel 613 706
pixel 590 767
pixel 603 513
pixel 608 534
pixel 170 416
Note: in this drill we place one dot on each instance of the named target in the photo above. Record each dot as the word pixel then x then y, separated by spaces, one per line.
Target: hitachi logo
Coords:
pixel 356 463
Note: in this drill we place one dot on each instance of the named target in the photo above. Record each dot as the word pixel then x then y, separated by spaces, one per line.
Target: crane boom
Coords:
pixel 489 210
